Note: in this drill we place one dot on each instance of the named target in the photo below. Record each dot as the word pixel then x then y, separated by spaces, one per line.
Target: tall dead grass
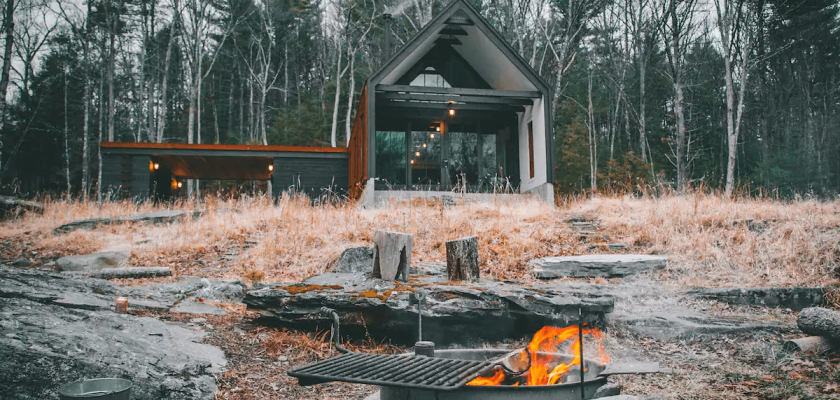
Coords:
pixel 709 240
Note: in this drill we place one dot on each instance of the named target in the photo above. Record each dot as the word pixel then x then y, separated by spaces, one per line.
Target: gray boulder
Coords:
pixel 355 260
pixel 794 298
pixel 92 262
pixel 596 265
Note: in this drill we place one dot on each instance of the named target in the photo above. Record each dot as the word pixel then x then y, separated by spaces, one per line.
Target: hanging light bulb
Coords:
pixel 437 129
pixel 451 112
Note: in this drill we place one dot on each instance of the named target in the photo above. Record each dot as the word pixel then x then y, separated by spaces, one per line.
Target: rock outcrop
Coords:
pixel 465 313
pixel 57 328
pixel 153 217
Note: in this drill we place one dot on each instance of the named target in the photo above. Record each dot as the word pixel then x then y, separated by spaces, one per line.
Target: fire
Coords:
pixel 549 339
pixel 494 380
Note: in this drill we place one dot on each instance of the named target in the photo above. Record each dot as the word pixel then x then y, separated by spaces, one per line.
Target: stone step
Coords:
pixel 596 265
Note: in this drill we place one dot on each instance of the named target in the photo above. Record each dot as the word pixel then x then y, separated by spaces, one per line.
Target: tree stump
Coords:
pixel 462 259
pixel 392 255
pixel 810 344
pixel 820 321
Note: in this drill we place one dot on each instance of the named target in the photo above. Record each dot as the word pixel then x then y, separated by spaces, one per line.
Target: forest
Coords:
pixel 737 96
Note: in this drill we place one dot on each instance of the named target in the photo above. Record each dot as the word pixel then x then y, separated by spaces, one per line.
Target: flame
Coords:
pixel 549 339
pixel 494 380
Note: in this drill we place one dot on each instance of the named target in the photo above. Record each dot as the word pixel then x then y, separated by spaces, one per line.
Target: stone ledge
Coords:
pixel 794 298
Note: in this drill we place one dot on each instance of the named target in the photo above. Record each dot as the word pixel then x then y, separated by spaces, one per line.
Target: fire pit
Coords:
pixel 539 371
pixel 560 391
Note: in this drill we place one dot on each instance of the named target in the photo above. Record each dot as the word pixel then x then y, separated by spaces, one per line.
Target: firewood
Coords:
pixel 810 344
pixel 818 321
pixel 462 259
pixel 131 273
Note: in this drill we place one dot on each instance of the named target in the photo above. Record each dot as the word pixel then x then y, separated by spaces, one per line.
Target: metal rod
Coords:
pixel 580 352
pixel 336 325
pixel 421 298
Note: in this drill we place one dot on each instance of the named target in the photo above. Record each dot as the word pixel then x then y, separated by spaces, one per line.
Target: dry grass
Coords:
pixel 709 242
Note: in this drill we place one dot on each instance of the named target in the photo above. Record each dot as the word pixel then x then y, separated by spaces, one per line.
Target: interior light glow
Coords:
pixel 180 184
pixel 412 161
pixel 437 129
pixel 424 145
pixel 432 136
pixel 416 154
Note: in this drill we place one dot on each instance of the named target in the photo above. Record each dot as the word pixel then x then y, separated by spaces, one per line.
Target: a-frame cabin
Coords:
pixel 456 108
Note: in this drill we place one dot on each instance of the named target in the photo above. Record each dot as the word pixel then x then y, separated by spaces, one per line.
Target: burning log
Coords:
pixel 462 259
pixel 810 344
pixel 818 321
pixel 392 255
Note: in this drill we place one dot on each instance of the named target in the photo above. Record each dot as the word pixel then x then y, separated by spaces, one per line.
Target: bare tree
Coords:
pixel 678 31
pixel 9 31
pixel 173 35
pixel 735 24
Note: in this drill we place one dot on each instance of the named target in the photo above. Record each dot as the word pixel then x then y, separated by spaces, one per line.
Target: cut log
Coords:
pixel 810 344
pixel 462 259
pixel 392 255
pixel 818 321
pixel 131 273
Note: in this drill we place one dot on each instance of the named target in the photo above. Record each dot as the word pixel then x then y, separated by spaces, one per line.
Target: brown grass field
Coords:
pixel 710 241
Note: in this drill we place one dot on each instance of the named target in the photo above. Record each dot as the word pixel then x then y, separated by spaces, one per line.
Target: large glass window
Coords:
pixel 425 159
pixel 462 158
pixel 390 157
pixel 430 78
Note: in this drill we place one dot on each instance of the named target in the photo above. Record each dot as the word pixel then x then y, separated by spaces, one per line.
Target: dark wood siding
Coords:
pixel 125 176
pixel 314 174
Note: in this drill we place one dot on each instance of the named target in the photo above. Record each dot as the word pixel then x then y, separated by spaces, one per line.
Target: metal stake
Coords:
pixel 580 352
pixel 421 297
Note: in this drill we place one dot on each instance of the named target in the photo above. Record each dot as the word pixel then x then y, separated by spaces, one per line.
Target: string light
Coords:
pixel 424 145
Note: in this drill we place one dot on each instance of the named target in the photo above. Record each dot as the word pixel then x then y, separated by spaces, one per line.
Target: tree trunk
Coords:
pixel 337 96
pixel 642 118
pixel 85 136
pixel 347 127
pixel 173 32
pixel 593 149
pixel 66 140
pixel 99 187
pixel 9 23
pixel 730 128
pixel 112 55
pixel 680 117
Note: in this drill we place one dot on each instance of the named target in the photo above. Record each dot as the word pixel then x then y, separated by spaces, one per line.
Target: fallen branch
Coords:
pixel 131 273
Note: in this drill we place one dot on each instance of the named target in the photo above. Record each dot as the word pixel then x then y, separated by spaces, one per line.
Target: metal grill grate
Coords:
pixel 392 370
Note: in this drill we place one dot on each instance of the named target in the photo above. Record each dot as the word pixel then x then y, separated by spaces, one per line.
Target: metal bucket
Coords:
pixel 99 389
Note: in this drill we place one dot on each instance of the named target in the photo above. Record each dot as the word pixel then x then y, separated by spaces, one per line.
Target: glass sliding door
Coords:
pixel 424 159
pixel 390 158
pixel 462 158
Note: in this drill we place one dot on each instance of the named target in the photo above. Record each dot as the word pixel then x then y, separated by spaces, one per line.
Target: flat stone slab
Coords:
pixel 683 324
pixel 794 298
pixel 154 217
pixel 596 265
pixel 92 262
pixel 191 307
pixel 463 313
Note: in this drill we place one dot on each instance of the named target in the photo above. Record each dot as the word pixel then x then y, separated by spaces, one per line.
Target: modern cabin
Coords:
pixel 454 109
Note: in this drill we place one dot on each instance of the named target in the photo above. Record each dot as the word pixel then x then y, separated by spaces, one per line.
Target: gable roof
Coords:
pixel 487 36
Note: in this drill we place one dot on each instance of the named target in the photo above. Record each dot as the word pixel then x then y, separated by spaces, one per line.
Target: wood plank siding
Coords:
pixel 358 148
pixel 315 174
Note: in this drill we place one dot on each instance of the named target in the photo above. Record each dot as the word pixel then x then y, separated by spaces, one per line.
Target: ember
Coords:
pixel 541 370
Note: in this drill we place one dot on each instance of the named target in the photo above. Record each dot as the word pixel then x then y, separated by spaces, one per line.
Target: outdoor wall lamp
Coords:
pixel 271 168
pixel 157 166
pixel 180 184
